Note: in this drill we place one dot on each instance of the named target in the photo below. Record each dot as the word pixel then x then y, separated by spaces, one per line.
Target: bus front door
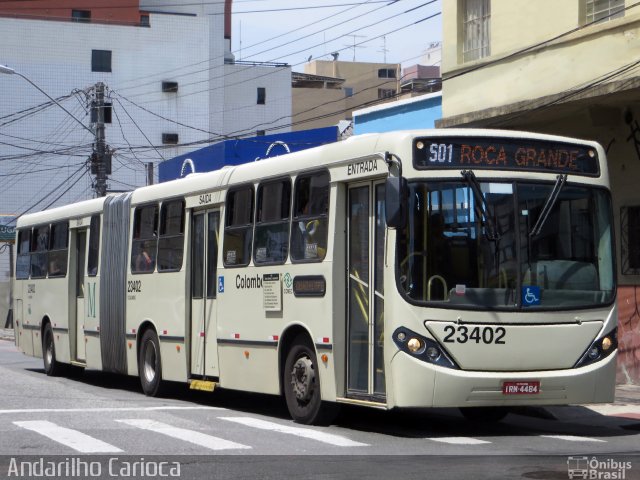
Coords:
pixel 366 235
pixel 204 255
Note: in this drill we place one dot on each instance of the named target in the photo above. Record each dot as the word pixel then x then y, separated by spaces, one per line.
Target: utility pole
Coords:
pixel 149 173
pixel 101 157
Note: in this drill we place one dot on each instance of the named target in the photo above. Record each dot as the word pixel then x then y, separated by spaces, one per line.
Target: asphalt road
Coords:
pixel 100 417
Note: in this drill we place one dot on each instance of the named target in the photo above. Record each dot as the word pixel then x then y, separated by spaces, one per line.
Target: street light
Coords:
pixel 10 71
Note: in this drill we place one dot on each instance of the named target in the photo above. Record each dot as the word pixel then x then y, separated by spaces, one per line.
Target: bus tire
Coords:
pixel 150 364
pixel 484 414
pixel 51 366
pixel 301 385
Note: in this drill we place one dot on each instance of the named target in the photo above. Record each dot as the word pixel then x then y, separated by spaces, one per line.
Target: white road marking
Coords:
pixel 573 438
pixel 105 409
pixel 191 436
pixel 459 440
pixel 300 432
pixel 66 436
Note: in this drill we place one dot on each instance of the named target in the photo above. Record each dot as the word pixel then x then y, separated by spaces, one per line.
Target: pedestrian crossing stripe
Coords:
pixel 311 434
pixel 66 436
pixel 191 436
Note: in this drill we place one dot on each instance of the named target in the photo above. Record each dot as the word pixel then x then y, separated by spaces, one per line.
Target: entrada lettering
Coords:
pixel 362 167
pixel 248 282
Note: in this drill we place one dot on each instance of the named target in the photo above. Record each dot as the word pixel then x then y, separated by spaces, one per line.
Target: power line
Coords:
pixel 138 127
pixel 272 48
pixel 274 72
pixel 534 46
pixel 49 194
pixel 567 94
pixel 198 4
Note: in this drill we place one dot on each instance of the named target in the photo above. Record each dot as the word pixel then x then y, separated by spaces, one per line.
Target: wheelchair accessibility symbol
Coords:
pixel 530 295
pixel 220 284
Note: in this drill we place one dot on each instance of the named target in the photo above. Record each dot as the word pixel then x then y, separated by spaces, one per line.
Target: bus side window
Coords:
pixel 58 252
pixel 94 246
pixel 39 251
pixel 238 230
pixel 271 243
pixel 171 242
pixel 310 217
pixel 23 260
pixel 145 239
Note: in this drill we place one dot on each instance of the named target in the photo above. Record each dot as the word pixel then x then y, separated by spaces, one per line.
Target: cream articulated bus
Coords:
pixel 450 268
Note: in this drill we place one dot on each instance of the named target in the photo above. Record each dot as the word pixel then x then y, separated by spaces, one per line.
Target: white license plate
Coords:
pixel 521 388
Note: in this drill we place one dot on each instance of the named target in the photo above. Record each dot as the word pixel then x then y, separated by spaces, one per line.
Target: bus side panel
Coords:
pixel 170 315
pixel 92 323
pixel 247 353
pixel 24 337
pixel 158 298
pixel 54 304
pixel 247 350
pixel 34 313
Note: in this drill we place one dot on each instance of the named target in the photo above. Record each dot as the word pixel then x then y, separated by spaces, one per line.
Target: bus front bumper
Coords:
pixel 415 383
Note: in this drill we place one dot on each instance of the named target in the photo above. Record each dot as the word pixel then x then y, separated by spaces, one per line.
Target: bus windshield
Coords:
pixel 506 245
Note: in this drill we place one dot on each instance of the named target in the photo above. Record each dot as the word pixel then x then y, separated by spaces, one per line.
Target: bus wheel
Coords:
pixel 51 366
pixel 484 414
pixel 302 387
pixel 149 364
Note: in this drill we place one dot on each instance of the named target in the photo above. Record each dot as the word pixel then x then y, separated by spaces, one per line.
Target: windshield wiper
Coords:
pixel 561 180
pixel 491 230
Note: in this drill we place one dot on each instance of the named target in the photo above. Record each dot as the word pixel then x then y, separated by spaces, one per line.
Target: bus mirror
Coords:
pixel 395 201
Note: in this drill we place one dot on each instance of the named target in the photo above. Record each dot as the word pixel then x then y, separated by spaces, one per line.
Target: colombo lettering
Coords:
pixel 243 282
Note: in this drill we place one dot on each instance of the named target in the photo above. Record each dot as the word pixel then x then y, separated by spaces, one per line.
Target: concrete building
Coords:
pixel 406 114
pixel 171 83
pixel 329 91
pixel 569 68
pixel 420 79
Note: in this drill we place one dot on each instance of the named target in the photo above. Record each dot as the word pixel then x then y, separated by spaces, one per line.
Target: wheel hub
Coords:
pixel 302 379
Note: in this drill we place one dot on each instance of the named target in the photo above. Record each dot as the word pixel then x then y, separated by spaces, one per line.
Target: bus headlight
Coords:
pixel 601 348
pixel 414 345
pixel 422 348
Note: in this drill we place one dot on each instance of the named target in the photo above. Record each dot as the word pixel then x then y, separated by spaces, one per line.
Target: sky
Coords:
pixel 291 32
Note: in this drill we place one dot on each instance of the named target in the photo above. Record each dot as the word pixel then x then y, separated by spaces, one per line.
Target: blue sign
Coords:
pixel 220 284
pixel 530 295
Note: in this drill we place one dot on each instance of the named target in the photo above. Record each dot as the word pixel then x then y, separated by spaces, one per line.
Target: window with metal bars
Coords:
pixel 603 10
pixel 476 17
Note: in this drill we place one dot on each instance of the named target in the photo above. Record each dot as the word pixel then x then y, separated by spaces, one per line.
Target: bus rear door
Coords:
pixel 204 254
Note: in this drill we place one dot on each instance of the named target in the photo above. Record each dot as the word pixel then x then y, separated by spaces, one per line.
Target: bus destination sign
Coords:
pixel 507 154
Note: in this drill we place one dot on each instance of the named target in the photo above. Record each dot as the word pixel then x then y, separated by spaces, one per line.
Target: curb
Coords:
pixel 7 334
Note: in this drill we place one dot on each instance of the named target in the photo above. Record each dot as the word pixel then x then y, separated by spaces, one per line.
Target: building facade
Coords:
pixel 340 88
pixel 407 114
pixel 170 81
pixel 568 68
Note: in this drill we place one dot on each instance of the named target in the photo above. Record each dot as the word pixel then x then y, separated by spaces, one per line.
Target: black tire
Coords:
pixel 301 385
pixel 150 365
pixel 51 366
pixel 485 414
